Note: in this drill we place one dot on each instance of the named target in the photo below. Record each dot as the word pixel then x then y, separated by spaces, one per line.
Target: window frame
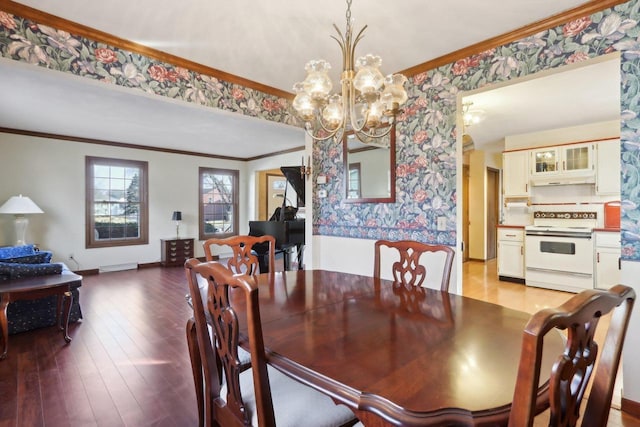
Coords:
pixel 235 181
pixel 143 185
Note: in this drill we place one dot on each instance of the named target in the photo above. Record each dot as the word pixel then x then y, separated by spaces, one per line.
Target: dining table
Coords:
pixel 396 356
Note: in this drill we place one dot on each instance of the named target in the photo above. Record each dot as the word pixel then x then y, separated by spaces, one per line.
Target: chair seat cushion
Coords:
pixel 294 404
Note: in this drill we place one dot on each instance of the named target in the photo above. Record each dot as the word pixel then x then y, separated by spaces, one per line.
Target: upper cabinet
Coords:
pixel 595 162
pixel 569 164
pixel 515 166
pixel 608 168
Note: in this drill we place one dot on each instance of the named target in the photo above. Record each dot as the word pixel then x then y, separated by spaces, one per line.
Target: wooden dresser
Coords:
pixel 176 251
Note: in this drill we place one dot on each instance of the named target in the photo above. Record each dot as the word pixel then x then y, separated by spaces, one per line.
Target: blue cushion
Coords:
pixel 15 270
pixel 41 257
pixel 15 251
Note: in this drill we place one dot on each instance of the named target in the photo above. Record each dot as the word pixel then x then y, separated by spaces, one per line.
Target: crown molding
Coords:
pixel 36 15
pixel 56 22
pixel 512 36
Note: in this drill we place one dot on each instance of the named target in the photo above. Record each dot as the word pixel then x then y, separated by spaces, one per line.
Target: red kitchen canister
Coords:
pixel 612 214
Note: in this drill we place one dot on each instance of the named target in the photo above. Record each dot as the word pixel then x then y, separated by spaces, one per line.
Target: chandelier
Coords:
pixel 368 104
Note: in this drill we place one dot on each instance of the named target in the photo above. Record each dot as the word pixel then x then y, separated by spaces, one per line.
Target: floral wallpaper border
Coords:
pixel 26 41
pixel 426 143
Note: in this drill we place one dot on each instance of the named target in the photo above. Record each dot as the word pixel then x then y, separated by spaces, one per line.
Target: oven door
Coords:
pixel 559 262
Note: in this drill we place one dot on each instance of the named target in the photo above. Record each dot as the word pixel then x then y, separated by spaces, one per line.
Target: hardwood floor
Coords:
pixel 128 363
pixel 481 282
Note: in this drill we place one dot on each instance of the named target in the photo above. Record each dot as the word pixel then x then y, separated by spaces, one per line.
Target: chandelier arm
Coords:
pixel 320 120
pixel 376 135
pixel 342 46
pixel 355 43
pixel 317 138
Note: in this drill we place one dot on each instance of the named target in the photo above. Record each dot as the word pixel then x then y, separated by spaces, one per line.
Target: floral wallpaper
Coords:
pixel 36 44
pixel 426 132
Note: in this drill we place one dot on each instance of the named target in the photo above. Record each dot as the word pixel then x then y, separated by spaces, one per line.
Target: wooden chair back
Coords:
pixel 408 271
pixel 222 358
pixel 570 375
pixel 243 260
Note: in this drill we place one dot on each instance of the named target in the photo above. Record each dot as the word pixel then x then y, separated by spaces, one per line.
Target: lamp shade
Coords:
pixel 19 205
pixel 177 216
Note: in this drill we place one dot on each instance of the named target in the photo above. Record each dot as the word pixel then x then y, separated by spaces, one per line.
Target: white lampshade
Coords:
pixel 19 205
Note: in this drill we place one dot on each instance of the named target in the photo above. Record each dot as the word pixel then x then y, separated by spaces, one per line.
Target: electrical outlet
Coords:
pixel 442 223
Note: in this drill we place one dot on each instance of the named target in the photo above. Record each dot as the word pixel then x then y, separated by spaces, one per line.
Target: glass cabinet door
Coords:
pixel 577 158
pixel 544 161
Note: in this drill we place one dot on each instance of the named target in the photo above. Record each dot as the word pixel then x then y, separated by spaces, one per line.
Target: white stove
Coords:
pixel 559 250
pixel 562 223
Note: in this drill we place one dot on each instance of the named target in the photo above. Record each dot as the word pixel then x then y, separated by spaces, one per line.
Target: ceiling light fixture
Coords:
pixel 368 104
pixel 467 120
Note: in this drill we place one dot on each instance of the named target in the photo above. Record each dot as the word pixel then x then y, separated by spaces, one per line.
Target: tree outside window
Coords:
pixel 116 202
pixel 218 203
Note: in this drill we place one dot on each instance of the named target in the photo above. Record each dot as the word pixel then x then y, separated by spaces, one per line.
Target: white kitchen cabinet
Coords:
pixel 565 164
pixel 511 254
pixel 607 260
pixel 608 168
pixel 515 173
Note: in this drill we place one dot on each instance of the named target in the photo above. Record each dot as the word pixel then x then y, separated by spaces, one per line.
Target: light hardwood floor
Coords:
pixel 481 282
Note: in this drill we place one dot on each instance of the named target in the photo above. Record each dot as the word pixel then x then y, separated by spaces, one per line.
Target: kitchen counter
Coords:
pixel 509 226
pixel 608 229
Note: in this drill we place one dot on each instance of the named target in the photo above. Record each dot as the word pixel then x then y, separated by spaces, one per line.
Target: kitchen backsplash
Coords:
pixel 563 198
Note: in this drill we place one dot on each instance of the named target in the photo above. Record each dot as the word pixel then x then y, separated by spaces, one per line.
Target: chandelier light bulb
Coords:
pixel 368 79
pixel 394 94
pixel 333 112
pixel 318 84
pixel 302 102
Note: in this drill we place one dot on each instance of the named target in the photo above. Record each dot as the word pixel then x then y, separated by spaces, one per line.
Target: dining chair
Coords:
pixel 244 259
pixel 570 375
pixel 409 270
pixel 235 395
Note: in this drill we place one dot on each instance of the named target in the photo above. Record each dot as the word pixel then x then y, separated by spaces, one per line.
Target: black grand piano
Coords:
pixel 283 224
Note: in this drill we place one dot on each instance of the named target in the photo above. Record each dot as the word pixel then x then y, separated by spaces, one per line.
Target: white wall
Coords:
pixel 51 172
pixel 631 350
pixel 356 256
pixel 590 132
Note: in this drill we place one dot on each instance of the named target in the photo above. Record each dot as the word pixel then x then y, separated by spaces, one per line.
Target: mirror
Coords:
pixel 370 169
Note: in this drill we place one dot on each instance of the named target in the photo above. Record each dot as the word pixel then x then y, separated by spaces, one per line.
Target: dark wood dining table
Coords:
pixel 396 356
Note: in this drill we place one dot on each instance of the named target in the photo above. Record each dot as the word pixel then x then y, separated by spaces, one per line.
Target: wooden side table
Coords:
pixel 176 251
pixel 34 288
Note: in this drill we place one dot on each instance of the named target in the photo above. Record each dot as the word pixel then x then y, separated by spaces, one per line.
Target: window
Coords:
pixel 116 203
pixel 218 203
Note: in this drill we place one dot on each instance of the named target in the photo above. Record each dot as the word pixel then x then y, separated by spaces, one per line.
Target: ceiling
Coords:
pixel 267 42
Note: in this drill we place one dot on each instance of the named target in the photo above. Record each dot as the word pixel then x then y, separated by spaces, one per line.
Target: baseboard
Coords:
pixel 149 265
pixel 511 279
pixel 630 407
pixel 90 272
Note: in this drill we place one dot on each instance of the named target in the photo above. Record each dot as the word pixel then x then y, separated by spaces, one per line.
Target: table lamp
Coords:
pixel 20 206
pixel 177 217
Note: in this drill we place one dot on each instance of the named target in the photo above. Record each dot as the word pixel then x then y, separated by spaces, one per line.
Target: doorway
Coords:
pixel 493 209
pixel 270 185
pixel 465 213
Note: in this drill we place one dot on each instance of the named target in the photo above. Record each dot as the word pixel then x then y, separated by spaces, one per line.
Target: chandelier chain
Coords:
pixel 348 15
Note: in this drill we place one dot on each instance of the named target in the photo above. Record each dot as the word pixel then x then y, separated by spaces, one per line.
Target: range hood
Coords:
pixel 564 179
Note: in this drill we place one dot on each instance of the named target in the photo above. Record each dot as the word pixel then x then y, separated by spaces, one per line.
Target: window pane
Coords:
pixel 218 202
pixel 119 216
